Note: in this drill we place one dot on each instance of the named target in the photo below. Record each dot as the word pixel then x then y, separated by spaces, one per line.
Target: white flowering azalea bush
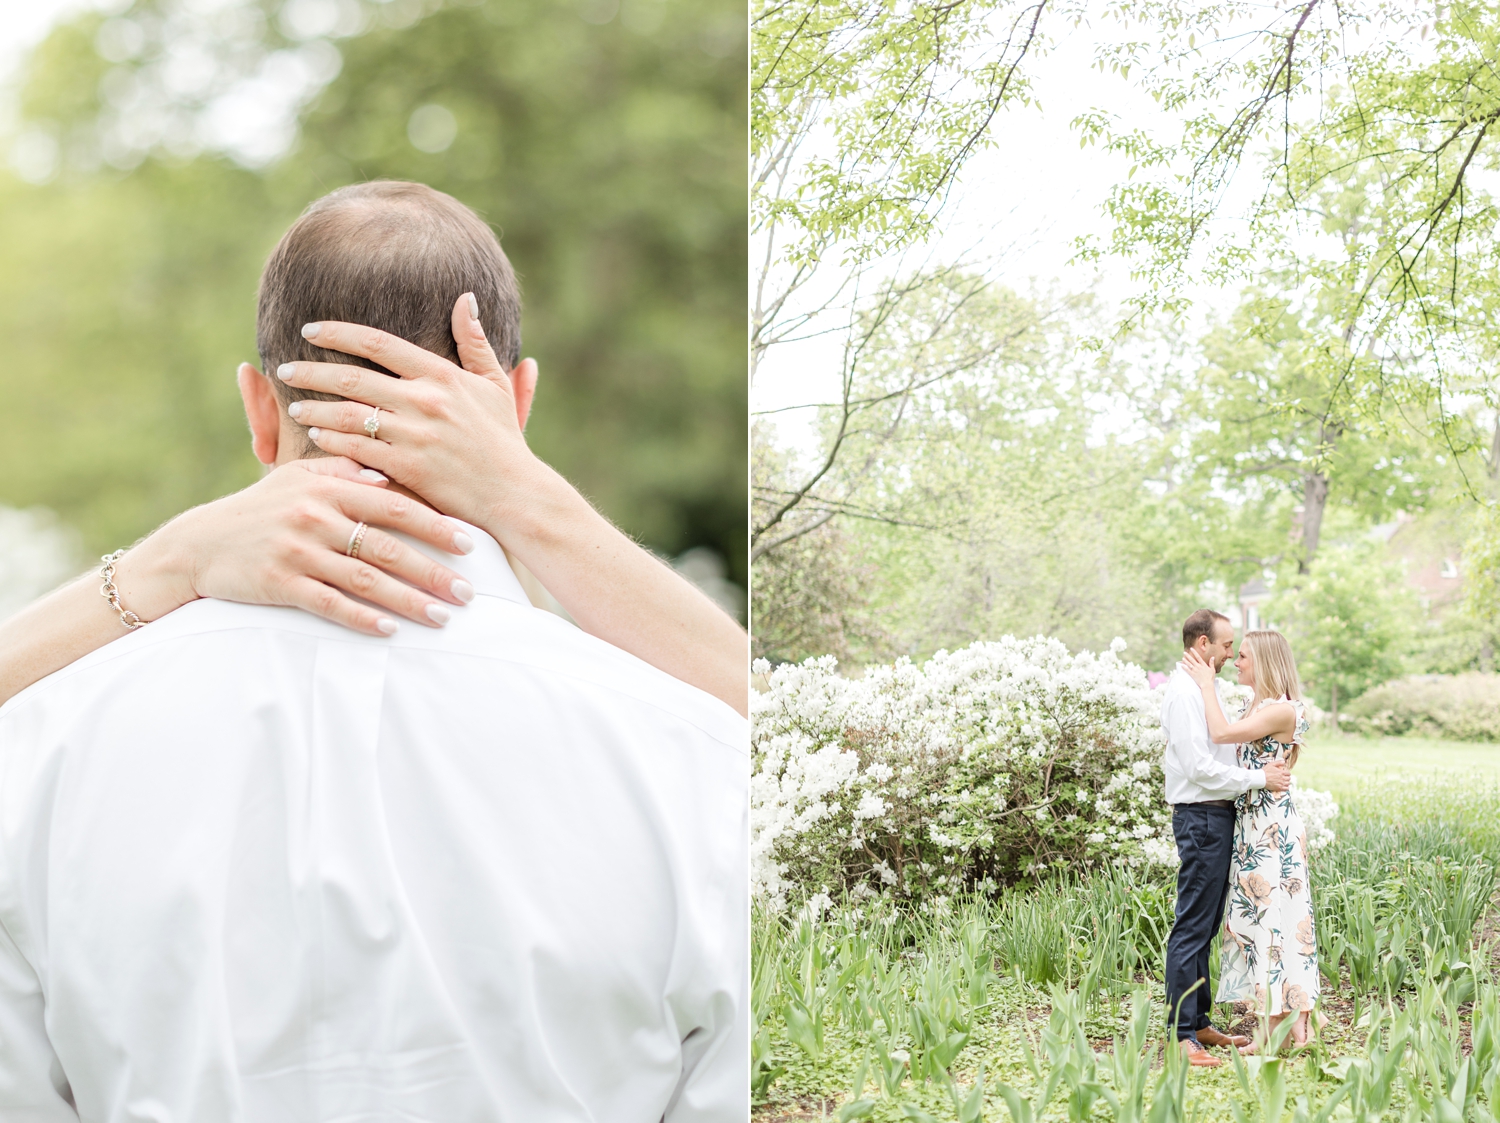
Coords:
pixel 1316 810
pixel 1003 759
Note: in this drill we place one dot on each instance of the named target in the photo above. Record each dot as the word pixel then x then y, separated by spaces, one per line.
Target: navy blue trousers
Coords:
pixel 1205 842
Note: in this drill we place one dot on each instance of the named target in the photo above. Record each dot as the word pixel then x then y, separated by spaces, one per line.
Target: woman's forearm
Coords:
pixel 60 628
pixel 74 620
pixel 271 543
pixel 618 592
pixel 1217 723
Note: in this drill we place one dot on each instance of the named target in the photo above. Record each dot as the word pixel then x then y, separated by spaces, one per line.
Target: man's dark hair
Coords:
pixel 389 255
pixel 1201 623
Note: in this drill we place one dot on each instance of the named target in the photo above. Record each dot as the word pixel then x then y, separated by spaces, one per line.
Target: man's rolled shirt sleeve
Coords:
pixel 1187 741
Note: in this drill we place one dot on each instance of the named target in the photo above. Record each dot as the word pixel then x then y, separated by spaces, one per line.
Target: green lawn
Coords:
pixel 1337 763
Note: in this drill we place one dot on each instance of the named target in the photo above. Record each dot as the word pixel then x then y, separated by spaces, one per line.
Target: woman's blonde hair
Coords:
pixel 1275 671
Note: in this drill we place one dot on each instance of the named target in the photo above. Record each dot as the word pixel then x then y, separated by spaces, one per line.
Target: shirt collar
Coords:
pixel 486 568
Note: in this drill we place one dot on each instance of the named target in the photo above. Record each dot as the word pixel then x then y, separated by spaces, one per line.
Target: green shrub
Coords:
pixel 1462 707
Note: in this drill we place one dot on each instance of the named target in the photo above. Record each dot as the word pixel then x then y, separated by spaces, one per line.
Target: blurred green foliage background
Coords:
pixel 606 145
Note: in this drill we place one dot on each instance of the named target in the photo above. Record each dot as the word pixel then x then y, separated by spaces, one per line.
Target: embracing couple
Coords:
pixel 307 814
pixel 1239 838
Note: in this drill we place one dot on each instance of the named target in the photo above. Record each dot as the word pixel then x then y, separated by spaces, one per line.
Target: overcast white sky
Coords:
pixel 1022 203
pixel 24 22
pixel 1025 202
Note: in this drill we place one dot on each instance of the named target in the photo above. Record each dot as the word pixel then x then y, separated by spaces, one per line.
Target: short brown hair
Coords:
pixel 388 255
pixel 1201 623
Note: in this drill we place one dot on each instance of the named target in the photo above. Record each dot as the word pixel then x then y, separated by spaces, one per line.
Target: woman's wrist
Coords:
pixel 155 576
pixel 541 511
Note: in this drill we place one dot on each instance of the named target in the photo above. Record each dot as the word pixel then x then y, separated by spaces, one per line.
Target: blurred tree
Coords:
pixel 1349 622
pixel 811 597
pixel 126 303
pixel 606 144
pixel 1282 415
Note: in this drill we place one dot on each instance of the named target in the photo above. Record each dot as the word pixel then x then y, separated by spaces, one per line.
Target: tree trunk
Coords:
pixel 1314 500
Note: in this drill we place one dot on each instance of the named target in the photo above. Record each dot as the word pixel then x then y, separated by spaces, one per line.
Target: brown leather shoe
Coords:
pixel 1214 1039
pixel 1197 1055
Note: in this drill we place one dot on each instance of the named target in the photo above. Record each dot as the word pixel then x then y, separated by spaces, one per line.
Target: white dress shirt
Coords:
pixel 1196 768
pixel 255 867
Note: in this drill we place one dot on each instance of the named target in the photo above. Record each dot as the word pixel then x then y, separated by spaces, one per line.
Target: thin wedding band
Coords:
pixel 372 423
pixel 355 539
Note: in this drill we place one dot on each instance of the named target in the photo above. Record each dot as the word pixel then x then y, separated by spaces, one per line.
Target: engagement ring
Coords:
pixel 372 423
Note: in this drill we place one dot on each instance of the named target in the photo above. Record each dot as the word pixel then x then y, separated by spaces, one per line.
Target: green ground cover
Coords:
pixel 1047 1003
pixel 1337 763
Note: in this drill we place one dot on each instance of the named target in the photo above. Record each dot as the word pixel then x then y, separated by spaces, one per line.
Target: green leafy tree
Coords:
pixel 1349 622
pixel 1481 570
pixel 812 597
pixel 1369 161
pixel 1279 415
pixel 863 115
pixel 606 144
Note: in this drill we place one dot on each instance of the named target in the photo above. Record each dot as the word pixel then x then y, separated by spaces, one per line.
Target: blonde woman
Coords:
pixel 1270 953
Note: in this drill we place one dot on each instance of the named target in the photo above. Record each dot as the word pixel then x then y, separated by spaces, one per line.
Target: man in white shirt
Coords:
pixel 1203 781
pixel 255 867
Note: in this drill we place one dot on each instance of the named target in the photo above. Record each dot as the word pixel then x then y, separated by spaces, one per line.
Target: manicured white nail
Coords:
pixel 386 626
pixel 462 590
pixel 294 410
pixel 462 543
pixel 314 434
pixel 310 330
pixel 372 475
pixel 285 372
pixel 438 614
pixel 473 308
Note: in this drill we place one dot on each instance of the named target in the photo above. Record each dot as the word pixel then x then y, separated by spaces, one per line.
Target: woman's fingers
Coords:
pixel 363 580
pixel 342 468
pixel 393 511
pixel 377 454
pixel 321 600
pixel 357 383
pixel 398 559
pixel 474 351
pixel 390 351
pixel 346 417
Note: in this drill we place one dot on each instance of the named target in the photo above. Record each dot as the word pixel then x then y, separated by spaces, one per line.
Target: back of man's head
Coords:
pixel 389 255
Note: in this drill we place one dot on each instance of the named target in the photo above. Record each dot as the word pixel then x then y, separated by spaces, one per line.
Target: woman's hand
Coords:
pixel 280 541
pixel 1199 669
pixel 284 541
pixel 454 439
pixel 453 435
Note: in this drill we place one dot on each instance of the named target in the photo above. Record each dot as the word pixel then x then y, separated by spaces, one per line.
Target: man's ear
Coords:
pixel 263 411
pixel 523 388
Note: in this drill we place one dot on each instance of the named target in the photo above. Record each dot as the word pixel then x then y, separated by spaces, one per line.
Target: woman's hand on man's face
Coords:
pixel 285 541
pixel 1199 669
pixel 452 434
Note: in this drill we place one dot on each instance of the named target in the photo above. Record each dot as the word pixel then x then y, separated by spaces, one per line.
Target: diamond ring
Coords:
pixel 372 423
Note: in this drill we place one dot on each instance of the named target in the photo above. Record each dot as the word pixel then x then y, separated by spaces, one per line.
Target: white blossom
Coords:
pixel 1316 809
pixel 951 756
pixel 871 806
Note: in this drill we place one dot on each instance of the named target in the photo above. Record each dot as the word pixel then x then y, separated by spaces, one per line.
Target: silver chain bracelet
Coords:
pixel 111 594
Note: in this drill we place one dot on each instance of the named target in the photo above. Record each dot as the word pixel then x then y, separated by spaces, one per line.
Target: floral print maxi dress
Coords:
pixel 1269 955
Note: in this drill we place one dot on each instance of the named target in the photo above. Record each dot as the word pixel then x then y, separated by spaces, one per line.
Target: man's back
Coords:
pixel 256 867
